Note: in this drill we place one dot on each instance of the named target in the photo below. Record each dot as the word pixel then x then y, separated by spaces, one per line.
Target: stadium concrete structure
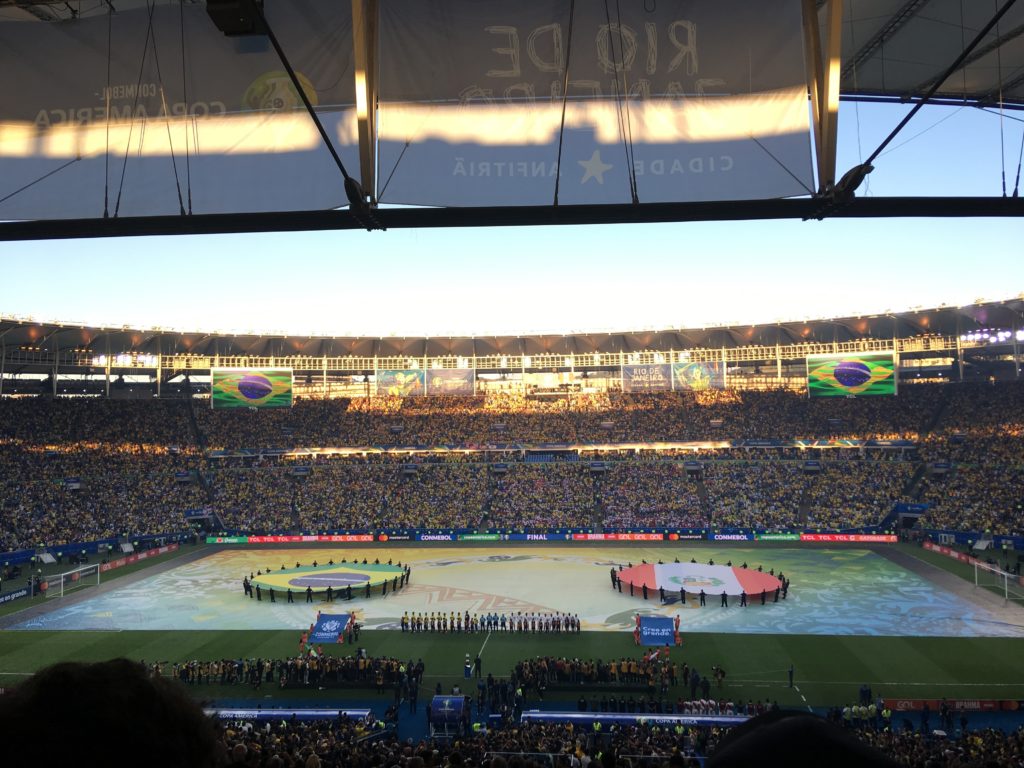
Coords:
pixel 974 342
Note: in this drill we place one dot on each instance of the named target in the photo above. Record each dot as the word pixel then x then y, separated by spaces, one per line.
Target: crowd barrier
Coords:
pixel 454 536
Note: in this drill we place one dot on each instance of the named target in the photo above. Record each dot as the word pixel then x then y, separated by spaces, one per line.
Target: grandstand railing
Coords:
pixel 586 361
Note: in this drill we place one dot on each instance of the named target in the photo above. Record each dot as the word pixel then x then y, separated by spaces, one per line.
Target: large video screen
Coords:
pixel 851 375
pixel 251 387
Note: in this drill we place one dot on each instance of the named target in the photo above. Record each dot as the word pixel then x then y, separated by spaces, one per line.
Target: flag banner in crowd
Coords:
pixel 329 626
pixel 184 120
pixel 451 381
pixel 251 387
pixel 401 383
pixel 657 630
pixel 674 101
pixel 698 376
pixel 647 378
pixel 851 375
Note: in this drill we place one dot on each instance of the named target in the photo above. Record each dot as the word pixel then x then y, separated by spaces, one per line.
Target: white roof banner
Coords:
pixel 183 108
pixel 703 101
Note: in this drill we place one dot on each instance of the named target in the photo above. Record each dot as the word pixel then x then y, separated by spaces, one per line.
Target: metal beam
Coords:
pixel 364 39
pixel 1009 85
pixel 896 22
pixel 876 97
pixel 830 108
pixel 564 215
pixel 815 76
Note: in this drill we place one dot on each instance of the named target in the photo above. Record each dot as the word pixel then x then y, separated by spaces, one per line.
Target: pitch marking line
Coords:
pixel 480 653
pixel 797 689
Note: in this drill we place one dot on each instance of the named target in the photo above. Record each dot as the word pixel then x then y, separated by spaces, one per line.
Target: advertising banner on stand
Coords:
pixel 451 381
pixel 647 378
pixel 697 376
pixel 401 383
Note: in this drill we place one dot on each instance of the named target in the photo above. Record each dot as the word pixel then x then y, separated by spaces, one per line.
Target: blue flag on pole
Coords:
pixel 329 626
pixel 656 630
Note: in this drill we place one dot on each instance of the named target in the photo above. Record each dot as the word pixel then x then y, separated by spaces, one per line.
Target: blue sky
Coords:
pixel 616 277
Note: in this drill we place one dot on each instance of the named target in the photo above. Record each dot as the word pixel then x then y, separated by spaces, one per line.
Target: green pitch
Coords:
pixel 829 668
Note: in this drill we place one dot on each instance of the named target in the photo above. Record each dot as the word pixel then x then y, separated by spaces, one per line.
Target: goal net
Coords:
pixel 999 581
pixel 60 584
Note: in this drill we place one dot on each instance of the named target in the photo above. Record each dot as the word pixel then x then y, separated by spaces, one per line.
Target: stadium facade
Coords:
pixel 977 341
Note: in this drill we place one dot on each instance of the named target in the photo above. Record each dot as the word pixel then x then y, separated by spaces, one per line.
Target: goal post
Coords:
pixel 999 581
pixel 60 584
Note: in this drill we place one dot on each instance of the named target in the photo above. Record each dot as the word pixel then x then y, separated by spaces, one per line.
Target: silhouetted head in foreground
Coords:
pixel 111 712
pixel 795 740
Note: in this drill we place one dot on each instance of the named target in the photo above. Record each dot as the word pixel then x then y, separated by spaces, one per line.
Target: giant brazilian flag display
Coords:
pixel 251 387
pixel 851 375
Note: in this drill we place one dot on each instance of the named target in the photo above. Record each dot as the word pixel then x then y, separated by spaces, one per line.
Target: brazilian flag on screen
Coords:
pixel 856 375
pixel 251 387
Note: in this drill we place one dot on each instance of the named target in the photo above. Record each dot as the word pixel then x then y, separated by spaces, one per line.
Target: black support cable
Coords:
pixel 618 101
pixel 106 152
pixel 302 95
pixel 1020 157
pixel 184 98
pixel 22 188
pixel 358 206
pixel 629 125
pixel 565 97
pixel 167 118
pixel 135 104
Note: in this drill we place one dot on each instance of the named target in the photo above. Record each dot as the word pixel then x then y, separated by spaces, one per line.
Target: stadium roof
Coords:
pixel 897 49
pixel 893 49
pixel 948 51
pixel 944 321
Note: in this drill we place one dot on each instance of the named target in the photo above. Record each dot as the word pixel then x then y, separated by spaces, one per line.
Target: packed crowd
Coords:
pixel 507 417
pixel 988 498
pixel 852 494
pixel 254 500
pixel 150 709
pixel 326 744
pixel 343 495
pixel 41 421
pixel 634 495
pixel 309 670
pixel 980 424
pixel 963 749
pixel 765 494
pixel 650 671
pixel 140 464
pixel 75 493
pixel 532 496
